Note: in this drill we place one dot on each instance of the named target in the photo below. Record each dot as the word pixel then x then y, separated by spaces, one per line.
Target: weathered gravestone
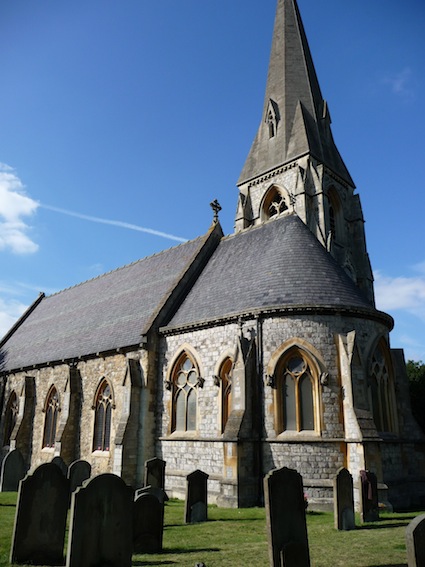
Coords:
pixel 155 473
pixel 196 507
pixel 78 472
pixel 286 521
pixel 101 527
pixel 159 493
pixel 369 497
pixel 148 524
pixel 415 542
pixel 13 469
pixel 40 521
pixel 59 462
pixel 344 518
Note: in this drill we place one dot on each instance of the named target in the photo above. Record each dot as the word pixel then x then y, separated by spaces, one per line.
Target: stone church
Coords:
pixel 231 354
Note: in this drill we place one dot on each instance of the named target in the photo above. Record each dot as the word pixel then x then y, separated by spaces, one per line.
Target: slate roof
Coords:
pixel 279 264
pixel 111 311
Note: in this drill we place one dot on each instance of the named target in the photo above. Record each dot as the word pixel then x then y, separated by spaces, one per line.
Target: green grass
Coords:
pixel 238 538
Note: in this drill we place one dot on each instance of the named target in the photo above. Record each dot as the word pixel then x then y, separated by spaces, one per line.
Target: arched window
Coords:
pixel 272 118
pixel 10 417
pixel 335 215
pixel 297 395
pixel 274 203
pixel 226 391
pixel 185 379
pixel 51 409
pixel 382 389
pixel 103 417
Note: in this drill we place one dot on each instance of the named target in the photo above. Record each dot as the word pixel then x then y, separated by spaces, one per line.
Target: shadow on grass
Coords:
pixel 391 565
pixel 383 527
pixel 175 551
pixel 140 563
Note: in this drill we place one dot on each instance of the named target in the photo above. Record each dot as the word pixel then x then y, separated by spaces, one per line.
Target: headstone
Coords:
pixel 78 472
pixel 286 520
pixel 40 521
pixel 196 508
pixel 148 524
pixel 59 462
pixel 415 542
pixel 101 525
pixel 13 469
pixel 344 518
pixel 369 496
pixel 157 492
pixel 155 473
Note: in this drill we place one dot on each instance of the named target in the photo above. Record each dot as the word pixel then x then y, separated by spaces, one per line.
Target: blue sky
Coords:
pixel 120 120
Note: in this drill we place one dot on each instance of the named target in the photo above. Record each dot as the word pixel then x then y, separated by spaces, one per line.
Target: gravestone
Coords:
pixel 78 472
pixel 286 520
pixel 40 521
pixel 13 469
pixel 157 492
pixel 415 542
pixel 148 524
pixel 369 496
pixel 59 462
pixel 344 518
pixel 155 473
pixel 101 525
pixel 196 507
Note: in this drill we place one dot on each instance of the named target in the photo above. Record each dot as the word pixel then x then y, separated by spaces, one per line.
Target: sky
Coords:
pixel 121 120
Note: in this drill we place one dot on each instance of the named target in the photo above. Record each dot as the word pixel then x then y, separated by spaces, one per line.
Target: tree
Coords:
pixel 416 375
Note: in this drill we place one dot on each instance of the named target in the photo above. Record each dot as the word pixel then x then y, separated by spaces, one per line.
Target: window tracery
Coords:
pixel 51 409
pixel 185 380
pixel 274 203
pixel 103 416
pixel 382 390
pixel 297 393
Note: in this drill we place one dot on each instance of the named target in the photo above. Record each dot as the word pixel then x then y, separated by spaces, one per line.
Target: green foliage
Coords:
pixel 238 537
pixel 416 375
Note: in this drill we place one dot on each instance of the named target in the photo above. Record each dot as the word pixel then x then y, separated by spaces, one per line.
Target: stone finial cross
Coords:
pixel 216 207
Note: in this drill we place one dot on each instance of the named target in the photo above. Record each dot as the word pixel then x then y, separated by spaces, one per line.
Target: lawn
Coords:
pixel 238 538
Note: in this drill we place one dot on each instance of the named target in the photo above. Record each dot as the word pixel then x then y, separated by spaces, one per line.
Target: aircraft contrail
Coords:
pixel 113 223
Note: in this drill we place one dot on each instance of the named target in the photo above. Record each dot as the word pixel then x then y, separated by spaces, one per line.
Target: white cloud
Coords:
pixel 400 83
pixel 15 204
pixel 407 293
pixel 10 311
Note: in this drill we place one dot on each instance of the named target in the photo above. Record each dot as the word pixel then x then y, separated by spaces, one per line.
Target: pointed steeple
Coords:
pixel 295 119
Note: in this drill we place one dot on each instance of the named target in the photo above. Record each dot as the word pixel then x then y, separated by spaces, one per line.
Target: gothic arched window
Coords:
pixel 226 391
pixel 382 389
pixel 297 394
pixel 185 380
pixel 274 203
pixel 51 409
pixel 103 417
pixel 10 415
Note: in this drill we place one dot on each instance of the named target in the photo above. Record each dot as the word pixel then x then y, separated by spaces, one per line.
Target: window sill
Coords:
pixel 101 453
pixel 48 450
pixel 184 435
pixel 298 436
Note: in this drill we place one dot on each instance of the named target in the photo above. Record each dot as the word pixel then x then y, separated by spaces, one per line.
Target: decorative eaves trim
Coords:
pixel 375 315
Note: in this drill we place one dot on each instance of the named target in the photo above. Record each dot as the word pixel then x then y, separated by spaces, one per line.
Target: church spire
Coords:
pixel 295 120
pixel 293 166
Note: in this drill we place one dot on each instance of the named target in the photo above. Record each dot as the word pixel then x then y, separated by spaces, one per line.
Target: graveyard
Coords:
pixel 66 516
pixel 238 537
